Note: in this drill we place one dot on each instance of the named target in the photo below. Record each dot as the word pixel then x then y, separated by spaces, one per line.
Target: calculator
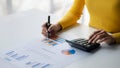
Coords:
pixel 83 44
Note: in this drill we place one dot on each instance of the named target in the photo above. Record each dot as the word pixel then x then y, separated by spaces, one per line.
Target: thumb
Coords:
pixel 51 28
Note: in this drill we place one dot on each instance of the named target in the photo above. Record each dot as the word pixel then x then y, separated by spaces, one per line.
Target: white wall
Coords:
pixel 52 6
pixel 2 7
pixel 57 7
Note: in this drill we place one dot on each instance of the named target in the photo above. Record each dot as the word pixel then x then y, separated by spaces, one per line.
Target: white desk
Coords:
pixel 25 26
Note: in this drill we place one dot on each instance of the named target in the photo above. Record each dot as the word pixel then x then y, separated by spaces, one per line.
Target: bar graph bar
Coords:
pixel 10 52
pixel 22 57
pixel 14 55
pixel 36 65
pixel 45 66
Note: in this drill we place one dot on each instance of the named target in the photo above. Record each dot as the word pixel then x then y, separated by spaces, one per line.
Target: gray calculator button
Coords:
pixel 85 44
pixel 80 42
pixel 75 41
pixel 82 39
pixel 88 45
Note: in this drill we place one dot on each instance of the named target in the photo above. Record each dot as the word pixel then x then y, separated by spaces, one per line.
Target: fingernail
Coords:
pixel 98 41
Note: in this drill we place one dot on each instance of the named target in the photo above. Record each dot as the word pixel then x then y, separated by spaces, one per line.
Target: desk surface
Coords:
pixel 25 26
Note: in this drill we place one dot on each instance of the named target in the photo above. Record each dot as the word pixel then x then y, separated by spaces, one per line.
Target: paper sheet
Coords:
pixel 42 53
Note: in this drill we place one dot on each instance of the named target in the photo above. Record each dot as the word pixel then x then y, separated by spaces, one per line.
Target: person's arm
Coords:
pixel 73 14
pixel 117 37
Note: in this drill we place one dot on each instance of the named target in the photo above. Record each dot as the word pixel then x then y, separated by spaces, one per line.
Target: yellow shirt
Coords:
pixel 104 14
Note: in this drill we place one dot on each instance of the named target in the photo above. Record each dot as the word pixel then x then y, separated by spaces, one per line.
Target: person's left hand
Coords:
pixel 101 36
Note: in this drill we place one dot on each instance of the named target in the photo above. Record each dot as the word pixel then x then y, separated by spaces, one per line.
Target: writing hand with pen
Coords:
pixel 50 30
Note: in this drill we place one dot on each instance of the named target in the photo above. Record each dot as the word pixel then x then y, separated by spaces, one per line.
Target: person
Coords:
pixel 104 16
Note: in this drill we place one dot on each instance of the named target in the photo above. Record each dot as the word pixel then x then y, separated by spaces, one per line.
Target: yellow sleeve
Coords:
pixel 73 14
pixel 117 37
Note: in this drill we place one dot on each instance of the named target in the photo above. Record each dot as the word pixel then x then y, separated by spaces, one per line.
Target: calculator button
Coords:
pixel 88 45
pixel 76 41
pixel 82 39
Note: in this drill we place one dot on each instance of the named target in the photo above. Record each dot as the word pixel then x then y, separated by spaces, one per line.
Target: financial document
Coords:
pixel 42 53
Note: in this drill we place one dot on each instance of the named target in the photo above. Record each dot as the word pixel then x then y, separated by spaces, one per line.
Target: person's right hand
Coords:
pixel 53 29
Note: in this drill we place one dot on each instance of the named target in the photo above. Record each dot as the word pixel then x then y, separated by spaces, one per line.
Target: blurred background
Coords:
pixel 57 7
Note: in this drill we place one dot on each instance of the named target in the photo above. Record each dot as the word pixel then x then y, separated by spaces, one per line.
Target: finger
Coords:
pixel 51 28
pixel 44 33
pixel 94 33
pixel 94 36
pixel 98 37
pixel 45 29
pixel 52 33
pixel 103 40
pixel 108 40
pixel 44 25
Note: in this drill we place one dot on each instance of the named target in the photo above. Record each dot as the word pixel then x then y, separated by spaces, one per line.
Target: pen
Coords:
pixel 48 25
